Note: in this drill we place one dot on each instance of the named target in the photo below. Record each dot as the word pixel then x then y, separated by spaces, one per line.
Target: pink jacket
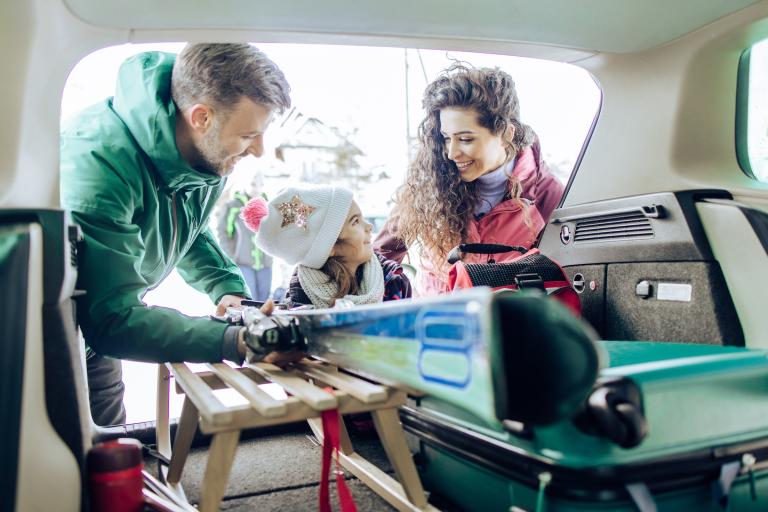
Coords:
pixel 504 224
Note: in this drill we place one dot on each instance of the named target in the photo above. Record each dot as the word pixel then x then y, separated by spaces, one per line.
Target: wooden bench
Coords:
pixel 307 399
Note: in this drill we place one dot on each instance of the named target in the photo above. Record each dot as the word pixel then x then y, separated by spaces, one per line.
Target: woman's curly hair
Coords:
pixel 433 205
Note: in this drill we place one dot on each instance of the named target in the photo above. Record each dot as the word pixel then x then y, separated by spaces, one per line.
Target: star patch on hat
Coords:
pixel 295 212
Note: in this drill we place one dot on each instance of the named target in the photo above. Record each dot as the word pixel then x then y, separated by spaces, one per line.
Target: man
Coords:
pixel 141 173
pixel 239 242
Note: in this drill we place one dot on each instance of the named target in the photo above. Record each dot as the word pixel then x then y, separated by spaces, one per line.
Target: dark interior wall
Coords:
pixel 618 252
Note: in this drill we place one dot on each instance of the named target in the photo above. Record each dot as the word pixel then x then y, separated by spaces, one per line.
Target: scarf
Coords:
pixel 322 291
pixel 492 188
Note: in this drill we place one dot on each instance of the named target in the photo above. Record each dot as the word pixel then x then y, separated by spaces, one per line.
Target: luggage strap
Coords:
pixel 641 497
pixel 721 488
pixel 331 446
pixel 456 252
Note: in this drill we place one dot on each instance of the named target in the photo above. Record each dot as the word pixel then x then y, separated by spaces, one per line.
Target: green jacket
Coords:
pixel 143 211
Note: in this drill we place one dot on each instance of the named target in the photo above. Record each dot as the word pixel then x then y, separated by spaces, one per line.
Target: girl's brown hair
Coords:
pixel 337 272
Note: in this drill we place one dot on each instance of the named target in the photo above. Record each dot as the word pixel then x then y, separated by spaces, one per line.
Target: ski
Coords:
pixel 498 355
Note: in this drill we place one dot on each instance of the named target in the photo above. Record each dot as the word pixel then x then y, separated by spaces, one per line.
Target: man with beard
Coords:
pixel 141 173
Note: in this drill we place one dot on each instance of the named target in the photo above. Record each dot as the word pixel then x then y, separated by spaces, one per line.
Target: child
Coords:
pixel 323 231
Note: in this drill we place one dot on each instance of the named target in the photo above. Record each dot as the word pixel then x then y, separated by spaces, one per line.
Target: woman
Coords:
pixel 477 176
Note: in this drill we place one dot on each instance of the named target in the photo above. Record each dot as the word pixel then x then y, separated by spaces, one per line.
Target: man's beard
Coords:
pixel 212 155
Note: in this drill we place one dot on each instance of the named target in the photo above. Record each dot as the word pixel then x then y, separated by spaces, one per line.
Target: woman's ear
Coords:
pixel 509 133
pixel 506 139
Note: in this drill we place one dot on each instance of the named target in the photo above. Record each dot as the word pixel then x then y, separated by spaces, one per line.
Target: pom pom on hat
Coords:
pixel 252 213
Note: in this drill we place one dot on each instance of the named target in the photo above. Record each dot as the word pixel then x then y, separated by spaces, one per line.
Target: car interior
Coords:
pixel 662 231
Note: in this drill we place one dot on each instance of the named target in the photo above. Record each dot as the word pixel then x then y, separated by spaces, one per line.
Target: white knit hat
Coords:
pixel 300 224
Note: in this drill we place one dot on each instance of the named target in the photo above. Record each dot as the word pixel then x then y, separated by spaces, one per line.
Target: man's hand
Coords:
pixel 260 334
pixel 282 359
pixel 267 309
pixel 227 301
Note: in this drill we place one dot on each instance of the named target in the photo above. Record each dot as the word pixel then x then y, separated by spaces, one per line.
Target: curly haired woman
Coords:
pixel 477 176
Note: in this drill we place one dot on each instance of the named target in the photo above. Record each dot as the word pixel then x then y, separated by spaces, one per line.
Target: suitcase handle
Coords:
pixel 456 252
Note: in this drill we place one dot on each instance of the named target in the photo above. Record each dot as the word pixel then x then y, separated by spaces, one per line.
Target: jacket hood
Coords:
pixel 143 101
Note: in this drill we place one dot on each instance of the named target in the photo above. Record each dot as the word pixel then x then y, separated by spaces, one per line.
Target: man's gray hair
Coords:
pixel 221 73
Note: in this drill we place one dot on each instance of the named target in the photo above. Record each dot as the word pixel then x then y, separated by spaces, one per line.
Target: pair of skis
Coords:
pixel 498 355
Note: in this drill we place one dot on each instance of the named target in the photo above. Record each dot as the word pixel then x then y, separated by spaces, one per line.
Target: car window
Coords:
pixel 752 112
pixel 356 110
pixel 354 122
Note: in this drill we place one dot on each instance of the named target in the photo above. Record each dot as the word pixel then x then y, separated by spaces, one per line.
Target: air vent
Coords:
pixel 628 225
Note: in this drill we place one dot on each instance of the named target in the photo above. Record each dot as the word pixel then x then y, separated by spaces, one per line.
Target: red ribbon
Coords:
pixel 332 444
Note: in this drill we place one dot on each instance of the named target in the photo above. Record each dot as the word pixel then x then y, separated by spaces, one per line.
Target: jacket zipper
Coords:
pixel 174 235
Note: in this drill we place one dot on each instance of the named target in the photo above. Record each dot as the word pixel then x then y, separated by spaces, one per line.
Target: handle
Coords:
pixel 456 252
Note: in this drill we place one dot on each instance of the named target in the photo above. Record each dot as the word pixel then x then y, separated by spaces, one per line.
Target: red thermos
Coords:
pixel 114 476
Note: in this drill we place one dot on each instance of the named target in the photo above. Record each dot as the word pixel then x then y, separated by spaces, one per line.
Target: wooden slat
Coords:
pixel 163 426
pixel 185 434
pixel 297 386
pixel 392 439
pixel 214 382
pixel 211 409
pixel 260 400
pixel 244 416
pixel 382 484
pixel 363 390
pixel 220 458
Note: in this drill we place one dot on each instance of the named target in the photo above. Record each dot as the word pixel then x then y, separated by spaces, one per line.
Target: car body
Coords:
pixel 669 137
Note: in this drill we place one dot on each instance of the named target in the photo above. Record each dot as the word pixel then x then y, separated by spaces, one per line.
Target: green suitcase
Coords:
pixel 667 427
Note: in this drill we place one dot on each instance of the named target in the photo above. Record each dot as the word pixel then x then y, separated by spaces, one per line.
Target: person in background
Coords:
pixel 239 242
pixel 477 176
pixel 323 231
pixel 141 173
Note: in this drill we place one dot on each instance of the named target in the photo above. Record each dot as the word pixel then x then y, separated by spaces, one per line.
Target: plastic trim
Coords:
pixel 14 269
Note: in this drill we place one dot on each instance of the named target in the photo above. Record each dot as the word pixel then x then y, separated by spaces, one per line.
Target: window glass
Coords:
pixel 753 114
pixel 354 122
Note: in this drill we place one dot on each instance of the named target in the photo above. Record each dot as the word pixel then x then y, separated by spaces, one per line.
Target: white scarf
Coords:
pixel 322 291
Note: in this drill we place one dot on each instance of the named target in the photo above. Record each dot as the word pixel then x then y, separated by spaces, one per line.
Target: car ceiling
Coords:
pixel 619 26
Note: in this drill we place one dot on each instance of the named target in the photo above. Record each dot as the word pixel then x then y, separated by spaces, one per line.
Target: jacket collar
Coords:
pixel 525 165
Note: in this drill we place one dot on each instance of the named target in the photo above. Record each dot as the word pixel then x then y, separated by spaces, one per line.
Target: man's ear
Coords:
pixel 200 117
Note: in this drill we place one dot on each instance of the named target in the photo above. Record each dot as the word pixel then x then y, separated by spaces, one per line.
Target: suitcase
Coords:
pixel 669 427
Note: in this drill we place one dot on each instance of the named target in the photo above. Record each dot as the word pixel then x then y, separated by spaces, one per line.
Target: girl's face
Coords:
pixel 354 246
pixel 473 148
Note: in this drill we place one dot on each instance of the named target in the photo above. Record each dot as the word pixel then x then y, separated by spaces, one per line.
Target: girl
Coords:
pixel 477 176
pixel 323 231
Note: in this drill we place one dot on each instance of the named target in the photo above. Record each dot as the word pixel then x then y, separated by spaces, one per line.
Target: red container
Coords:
pixel 114 476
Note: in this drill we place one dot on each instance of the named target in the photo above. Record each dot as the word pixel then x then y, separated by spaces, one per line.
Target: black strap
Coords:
pixel 530 280
pixel 456 252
